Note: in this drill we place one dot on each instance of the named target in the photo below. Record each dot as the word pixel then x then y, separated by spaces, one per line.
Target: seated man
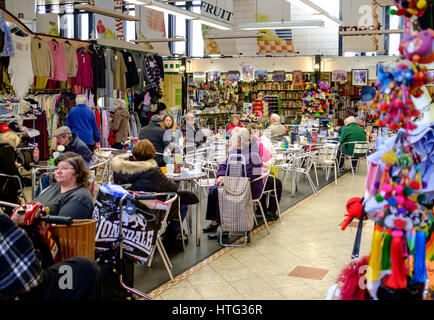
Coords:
pixel 276 128
pixel 21 273
pixel 350 133
pixel 73 143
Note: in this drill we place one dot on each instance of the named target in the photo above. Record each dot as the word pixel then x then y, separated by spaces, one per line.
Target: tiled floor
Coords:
pixel 308 235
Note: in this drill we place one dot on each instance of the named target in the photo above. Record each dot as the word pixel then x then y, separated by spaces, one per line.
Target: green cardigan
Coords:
pixel 352 132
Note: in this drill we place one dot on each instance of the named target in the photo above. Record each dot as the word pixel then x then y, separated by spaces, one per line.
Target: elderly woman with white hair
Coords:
pixel 82 122
pixel 240 143
pixel 120 123
pixel 350 133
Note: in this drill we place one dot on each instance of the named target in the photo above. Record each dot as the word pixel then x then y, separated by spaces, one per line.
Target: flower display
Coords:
pixel 316 98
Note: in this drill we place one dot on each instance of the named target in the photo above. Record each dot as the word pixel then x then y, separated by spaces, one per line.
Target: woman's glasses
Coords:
pixel 63 168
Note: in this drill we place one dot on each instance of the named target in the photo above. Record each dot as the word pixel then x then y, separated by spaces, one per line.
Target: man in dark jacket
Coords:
pixel 73 143
pixel 155 133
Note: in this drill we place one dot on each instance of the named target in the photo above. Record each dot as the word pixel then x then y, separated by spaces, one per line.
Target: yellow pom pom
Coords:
pixel 421 4
pixel 389 158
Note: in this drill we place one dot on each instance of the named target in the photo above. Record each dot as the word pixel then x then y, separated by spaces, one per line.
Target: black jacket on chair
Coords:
pixel 143 176
pixel 8 186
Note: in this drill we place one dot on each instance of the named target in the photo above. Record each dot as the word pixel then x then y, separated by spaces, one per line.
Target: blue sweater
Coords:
pixel 81 120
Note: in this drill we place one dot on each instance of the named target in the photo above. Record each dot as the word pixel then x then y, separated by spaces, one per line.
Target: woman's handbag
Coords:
pixel 111 138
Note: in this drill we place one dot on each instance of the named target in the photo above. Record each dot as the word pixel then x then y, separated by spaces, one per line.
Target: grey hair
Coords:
pixel 240 138
pixel 10 138
pixel 349 120
pixel 81 99
pixel 120 103
pixel 275 117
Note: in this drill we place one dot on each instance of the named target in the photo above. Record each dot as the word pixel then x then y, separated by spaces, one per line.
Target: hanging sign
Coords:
pixel 276 42
pixel 108 27
pixel 219 10
pixel 360 15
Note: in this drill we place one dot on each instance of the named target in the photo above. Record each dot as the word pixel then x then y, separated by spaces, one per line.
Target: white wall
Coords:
pixel 290 64
pixel 27 7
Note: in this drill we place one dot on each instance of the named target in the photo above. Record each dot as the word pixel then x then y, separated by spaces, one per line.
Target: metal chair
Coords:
pixel 159 244
pixel 21 189
pixel 360 150
pixel 327 159
pixel 264 178
pixel 273 193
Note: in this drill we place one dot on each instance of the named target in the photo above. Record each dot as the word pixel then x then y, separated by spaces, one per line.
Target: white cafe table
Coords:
pixel 191 176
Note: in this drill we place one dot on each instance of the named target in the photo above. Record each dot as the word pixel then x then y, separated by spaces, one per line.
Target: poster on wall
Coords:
pixel 199 77
pixel 297 78
pixel 279 76
pixel 261 75
pixel 360 15
pixel 234 76
pixel 359 77
pixel 339 76
pixel 214 76
pixel 247 73
pixel 279 41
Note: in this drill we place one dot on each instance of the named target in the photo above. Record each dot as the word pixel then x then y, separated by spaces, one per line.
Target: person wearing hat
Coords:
pixel 155 133
pixel 72 143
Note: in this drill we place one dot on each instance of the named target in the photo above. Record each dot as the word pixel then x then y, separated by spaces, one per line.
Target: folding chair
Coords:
pixel 159 244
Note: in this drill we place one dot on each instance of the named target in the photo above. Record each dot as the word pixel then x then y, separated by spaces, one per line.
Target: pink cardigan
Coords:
pixel 59 60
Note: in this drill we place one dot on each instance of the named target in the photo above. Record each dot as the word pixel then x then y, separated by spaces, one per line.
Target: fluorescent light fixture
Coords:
pixel 214 23
pixel 281 25
pixel 105 12
pixel 166 8
pixel 370 32
pixel 159 40
pixel 237 36
pixel 313 8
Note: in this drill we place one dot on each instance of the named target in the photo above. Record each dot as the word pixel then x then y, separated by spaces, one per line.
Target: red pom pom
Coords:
pixel 394 126
pixel 415 185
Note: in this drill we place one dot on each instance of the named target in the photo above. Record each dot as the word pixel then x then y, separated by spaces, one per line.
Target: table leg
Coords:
pixel 293 177
pixel 198 215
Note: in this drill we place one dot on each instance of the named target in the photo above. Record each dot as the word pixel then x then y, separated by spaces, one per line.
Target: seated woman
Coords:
pixel 240 143
pixel 9 187
pixel 268 157
pixel 235 123
pixel 169 126
pixel 69 196
pixel 143 173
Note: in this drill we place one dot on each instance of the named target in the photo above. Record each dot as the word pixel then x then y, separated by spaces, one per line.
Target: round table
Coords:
pixel 192 176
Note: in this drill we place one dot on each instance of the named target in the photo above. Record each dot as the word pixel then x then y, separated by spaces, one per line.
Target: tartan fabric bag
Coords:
pixel 235 204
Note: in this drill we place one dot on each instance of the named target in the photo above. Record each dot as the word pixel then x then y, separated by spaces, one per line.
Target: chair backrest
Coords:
pixel 361 148
pixel 235 165
pixel 328 152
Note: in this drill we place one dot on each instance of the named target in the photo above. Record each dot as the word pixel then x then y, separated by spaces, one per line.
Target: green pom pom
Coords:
pixel 408 191
pixel 392 11
pixel 379 198
pixel 421 198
